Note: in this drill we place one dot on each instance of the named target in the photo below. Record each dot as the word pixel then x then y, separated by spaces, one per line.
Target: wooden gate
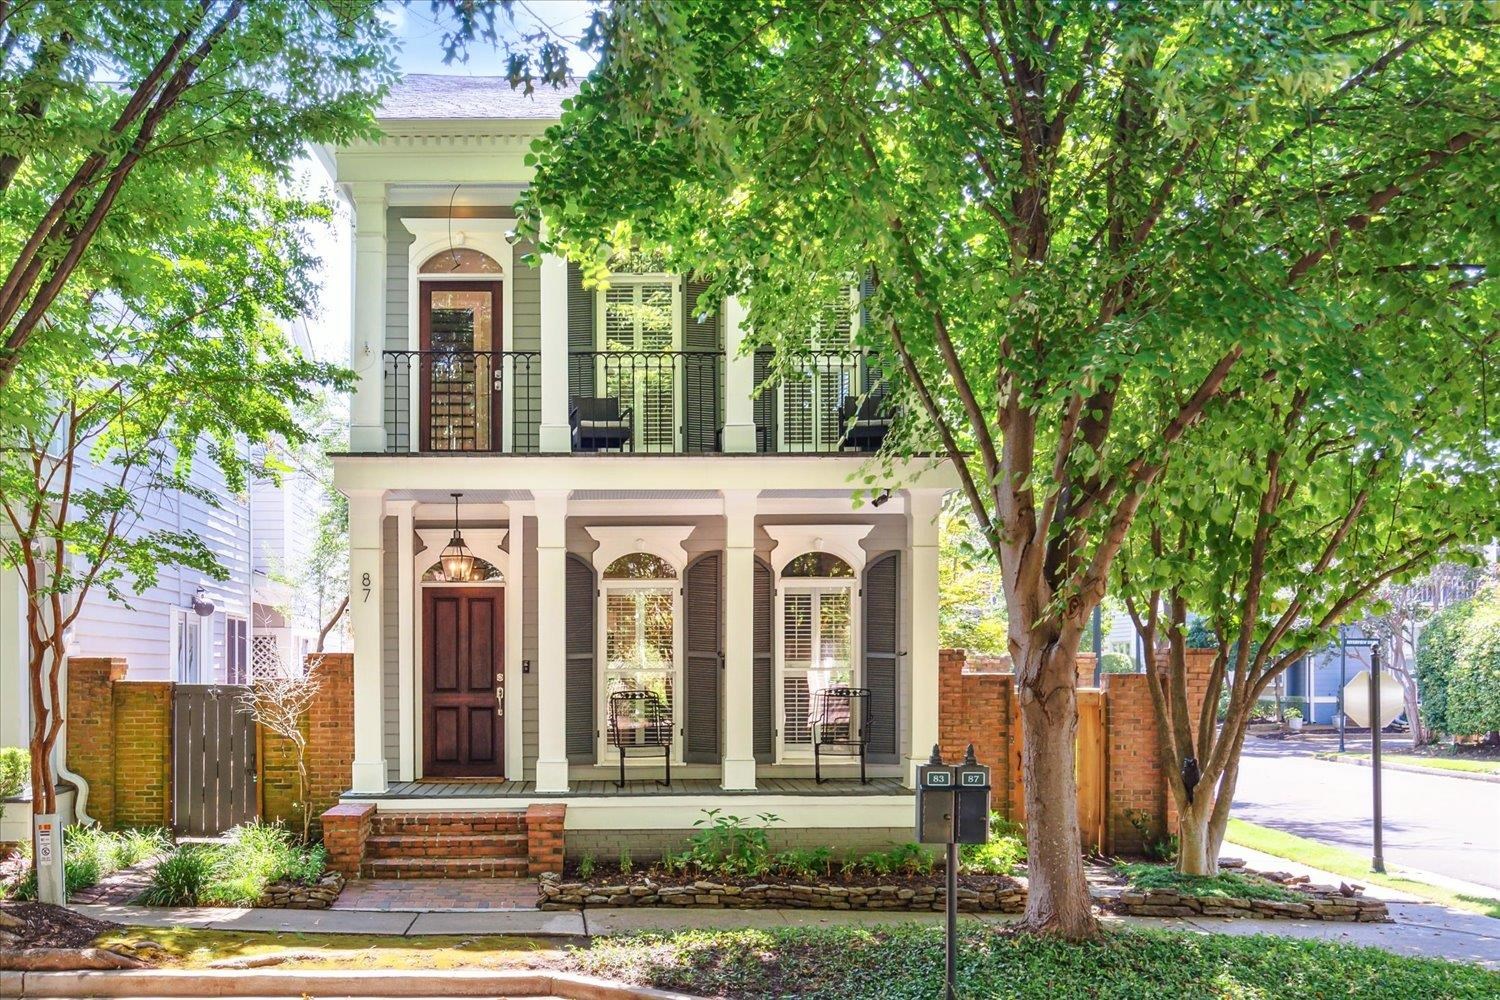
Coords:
pixel 213 760
pixel 1088 768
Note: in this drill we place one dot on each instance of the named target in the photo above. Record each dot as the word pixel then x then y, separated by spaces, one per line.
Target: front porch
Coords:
pixel 425 793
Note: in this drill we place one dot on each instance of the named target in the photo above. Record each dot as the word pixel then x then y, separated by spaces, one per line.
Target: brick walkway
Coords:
pixel 438 894
pixel 120 888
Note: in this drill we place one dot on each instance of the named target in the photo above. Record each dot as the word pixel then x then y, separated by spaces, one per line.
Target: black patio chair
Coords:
pixel 598 422
pixel 839 723
pixel 639 721
pixel 865 423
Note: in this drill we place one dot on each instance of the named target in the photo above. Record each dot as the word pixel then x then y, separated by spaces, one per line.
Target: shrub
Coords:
pixel 1458 666
pixel 180 879
pixel 15 769
pixel 626 864
pixel 725 845
pixel 806 863
pixel 1116 663
pixel 236 873
pixel 1222 885
pixel 1005 850
pixel 586 867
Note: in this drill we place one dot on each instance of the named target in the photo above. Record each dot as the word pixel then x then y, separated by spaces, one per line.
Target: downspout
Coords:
pixel 80 801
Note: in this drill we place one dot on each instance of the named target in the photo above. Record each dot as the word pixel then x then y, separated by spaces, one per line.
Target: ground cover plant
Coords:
pixel 1224 885
pixel 91 853
pixel 237 872
pixel 901 962
pixel 194 948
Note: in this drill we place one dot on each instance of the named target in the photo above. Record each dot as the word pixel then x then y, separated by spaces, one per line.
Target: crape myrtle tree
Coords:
pixel 107 108
pixel 1064 215
pixel 196 370
pixel 1302 500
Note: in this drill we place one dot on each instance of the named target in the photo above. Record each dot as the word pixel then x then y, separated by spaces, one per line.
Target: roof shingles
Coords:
pixel 432 95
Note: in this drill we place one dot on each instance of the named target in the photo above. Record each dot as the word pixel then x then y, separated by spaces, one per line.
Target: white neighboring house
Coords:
pixel 641 520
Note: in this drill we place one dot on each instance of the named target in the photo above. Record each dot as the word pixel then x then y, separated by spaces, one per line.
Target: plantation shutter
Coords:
pixel 882 595
pixel 580 335
pixel 701 369
pixel 763 679
pixel 702 616
pixel 579 637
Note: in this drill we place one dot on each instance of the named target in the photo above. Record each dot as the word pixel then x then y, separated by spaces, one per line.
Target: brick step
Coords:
pixel 446 845
pixel 443 867
pixel 449 823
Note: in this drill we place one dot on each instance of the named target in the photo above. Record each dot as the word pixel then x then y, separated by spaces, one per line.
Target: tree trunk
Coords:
pixel 1057 902
pixel 1197 853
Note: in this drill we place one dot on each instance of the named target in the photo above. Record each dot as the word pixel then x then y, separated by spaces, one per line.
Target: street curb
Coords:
pixel 287 983
pixel 1386 765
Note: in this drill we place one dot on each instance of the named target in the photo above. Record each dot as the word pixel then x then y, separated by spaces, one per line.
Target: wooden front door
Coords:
pixel 463 682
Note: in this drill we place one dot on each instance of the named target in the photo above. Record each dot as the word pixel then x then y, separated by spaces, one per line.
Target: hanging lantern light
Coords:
pixel 457 560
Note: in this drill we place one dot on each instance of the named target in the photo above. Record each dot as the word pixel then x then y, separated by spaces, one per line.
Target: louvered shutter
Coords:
pixel 703 619
pixel 881 596
pixel 580 335
pixel 765 403
pixel 701 368
pixel 580 633
pixel 763 680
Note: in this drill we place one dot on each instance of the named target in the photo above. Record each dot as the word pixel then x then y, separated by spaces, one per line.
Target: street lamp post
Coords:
pixel 1343 679
pixel 1378 860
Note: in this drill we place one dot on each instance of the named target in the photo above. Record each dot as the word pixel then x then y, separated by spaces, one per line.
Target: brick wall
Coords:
pixel 346 827
pixel 544 838
pixel 649 845
pixel 975 705
pixel 329 727
pixel 120 742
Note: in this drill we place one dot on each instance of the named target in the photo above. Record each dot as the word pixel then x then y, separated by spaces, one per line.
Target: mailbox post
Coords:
pixel 953 807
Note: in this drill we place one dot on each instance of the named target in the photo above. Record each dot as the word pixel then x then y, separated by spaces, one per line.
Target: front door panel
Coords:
pixel 463 669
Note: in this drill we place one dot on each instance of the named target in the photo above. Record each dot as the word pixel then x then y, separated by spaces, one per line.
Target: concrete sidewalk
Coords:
pixel 1421 929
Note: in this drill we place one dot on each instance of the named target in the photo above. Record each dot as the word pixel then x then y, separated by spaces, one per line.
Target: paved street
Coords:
pixel 1435 823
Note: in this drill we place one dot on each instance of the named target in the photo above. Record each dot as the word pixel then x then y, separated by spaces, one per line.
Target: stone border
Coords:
pixel 292 896
pixel 1386 764
pixel 1344 902
pixel 640 890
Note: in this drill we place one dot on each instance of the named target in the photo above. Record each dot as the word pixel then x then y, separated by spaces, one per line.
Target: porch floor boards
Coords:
pixel 438 789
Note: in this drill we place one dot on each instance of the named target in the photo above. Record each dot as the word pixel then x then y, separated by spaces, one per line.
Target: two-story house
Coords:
pixel 585 517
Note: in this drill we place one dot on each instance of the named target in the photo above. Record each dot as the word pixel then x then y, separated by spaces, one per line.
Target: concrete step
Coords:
pixel 449 867
pixel 446 845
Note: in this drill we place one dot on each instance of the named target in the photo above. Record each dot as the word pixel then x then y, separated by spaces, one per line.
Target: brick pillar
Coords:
pixel 975 706
pixel 1132 764
pixel 143 753
pixel 329 727
pixel 346 827
pixel 544 838
pixel 1085 667
pixel 90 750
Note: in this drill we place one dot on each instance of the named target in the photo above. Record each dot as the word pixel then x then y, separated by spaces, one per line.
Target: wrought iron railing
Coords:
pixel 659 402
pixel 440 401
pixel 820 401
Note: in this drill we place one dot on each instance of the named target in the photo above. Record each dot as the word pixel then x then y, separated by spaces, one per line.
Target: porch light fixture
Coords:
pixel 202 606
pixel 457 560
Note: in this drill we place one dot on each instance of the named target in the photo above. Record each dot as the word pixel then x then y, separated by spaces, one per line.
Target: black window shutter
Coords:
pixel 580 654
pixel 703 621
pixel 765 403
pixel 581 334
pixel 764 692
pixel 881 595
pixel 700 369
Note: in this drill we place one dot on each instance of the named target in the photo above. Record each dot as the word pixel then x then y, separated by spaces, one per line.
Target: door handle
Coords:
pixel 500 693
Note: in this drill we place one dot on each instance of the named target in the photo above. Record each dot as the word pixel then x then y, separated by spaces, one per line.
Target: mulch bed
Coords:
pixel 47 926
pixel 857 879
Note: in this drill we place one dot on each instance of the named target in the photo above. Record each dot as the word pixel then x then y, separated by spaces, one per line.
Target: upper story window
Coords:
pixel 460 260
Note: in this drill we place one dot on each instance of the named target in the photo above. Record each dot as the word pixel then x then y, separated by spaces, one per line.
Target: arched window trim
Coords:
pixel 479 561
pixel 669 574
pixel 425 275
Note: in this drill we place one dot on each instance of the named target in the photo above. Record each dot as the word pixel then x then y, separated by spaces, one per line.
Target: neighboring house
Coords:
pixel 640 519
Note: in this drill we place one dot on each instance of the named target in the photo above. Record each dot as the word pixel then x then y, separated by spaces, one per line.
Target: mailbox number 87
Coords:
pixel 364 582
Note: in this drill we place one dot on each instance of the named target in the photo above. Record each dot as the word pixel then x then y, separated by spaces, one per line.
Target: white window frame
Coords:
pixel 855 383
pixel 229 621
pixel 601 342
pixel 180 617
pixel 817 586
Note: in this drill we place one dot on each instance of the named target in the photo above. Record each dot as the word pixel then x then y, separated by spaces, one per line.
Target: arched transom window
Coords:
pixel 817 640
pixel 461 260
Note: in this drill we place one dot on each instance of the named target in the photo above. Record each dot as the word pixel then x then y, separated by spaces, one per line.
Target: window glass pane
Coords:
pixel 460 260
pixel 817 653
pixel 639 324
pixel 639 654
pixel 462 372
pixel 818 564
pixel 639 566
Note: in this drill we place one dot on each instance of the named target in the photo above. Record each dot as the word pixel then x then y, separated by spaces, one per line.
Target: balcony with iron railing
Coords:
pixel 632 401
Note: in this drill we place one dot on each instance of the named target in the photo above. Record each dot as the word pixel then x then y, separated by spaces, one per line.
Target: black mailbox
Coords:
pixel 973 794
pixel 935 782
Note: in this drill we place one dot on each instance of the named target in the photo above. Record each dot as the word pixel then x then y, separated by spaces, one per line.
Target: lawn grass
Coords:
pixel 1431 763
pixel 1225 885
pixel 905 963
pixel 1349 865
pixel 189 948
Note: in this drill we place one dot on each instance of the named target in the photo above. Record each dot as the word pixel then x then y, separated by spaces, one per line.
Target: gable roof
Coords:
pixel 435 95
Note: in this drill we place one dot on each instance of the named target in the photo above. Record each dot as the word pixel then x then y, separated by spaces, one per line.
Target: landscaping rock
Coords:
pixel 288 896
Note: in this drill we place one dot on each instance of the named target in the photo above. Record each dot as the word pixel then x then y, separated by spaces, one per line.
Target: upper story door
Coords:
pixel 462 374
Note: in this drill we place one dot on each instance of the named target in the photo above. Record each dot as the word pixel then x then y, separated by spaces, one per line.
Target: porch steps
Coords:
pixel 446 845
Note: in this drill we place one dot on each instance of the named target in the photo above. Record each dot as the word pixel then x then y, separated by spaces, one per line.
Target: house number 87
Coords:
pixel 364 581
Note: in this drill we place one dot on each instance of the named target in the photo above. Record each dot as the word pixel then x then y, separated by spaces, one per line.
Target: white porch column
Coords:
pixel 551 647
pixel 739 640
pixel 739 382
pixel 922 525
pixel 406 655
pixel 555 436
pixel 367 340
pixel 516 585
pixel 365 512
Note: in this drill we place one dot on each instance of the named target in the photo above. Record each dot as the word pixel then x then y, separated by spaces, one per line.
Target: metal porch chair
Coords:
pixel 598 422
pixel 840 722
pixel 639 721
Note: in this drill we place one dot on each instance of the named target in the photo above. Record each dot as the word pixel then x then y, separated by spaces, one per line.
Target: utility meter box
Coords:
pixel 935 791
pixel 973 795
